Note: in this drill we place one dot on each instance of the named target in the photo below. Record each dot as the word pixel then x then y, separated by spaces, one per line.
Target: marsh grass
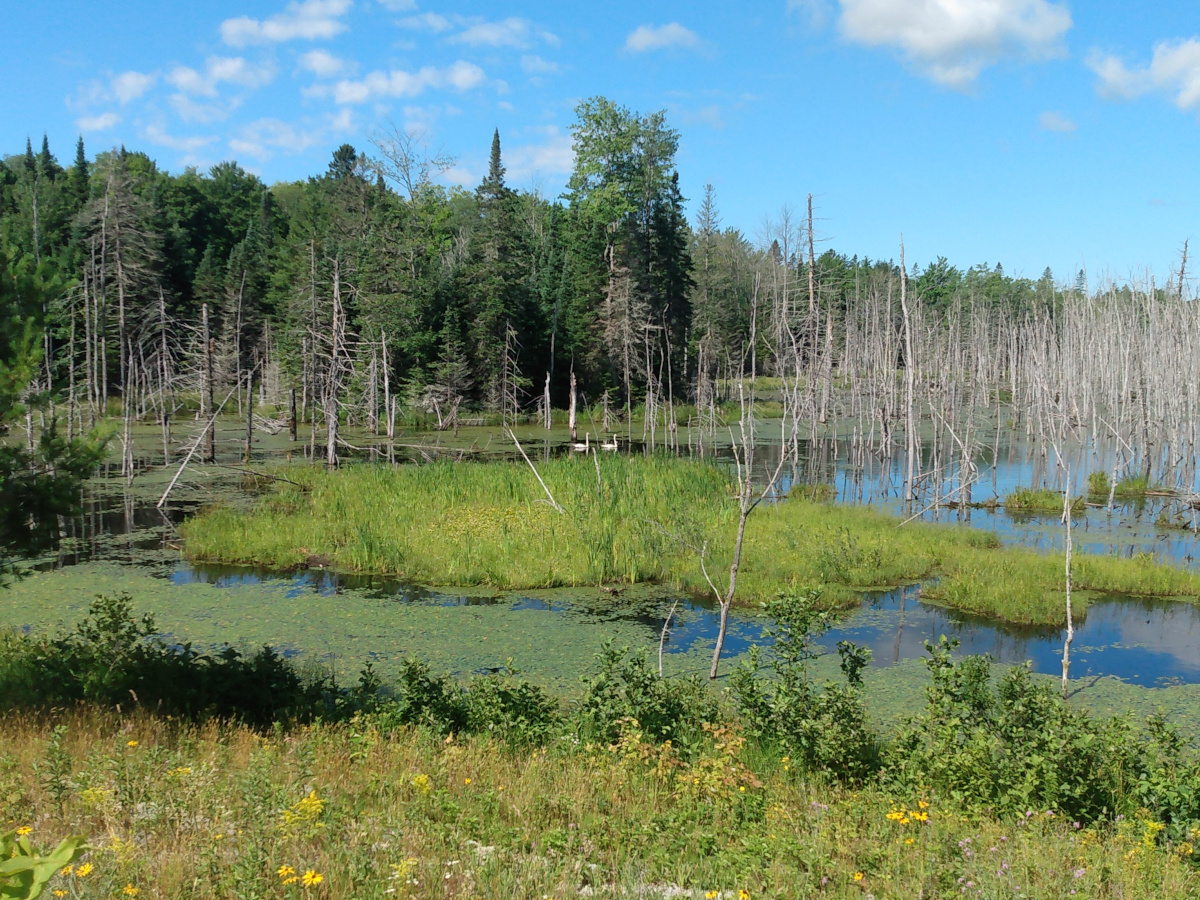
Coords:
pixel 489 524
pixel 216 811
pixel 1039 500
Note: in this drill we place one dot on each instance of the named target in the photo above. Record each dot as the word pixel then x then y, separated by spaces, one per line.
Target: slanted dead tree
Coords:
pixel 749 497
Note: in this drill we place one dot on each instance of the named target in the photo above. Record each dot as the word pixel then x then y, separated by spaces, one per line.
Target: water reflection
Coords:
pixel 1150 643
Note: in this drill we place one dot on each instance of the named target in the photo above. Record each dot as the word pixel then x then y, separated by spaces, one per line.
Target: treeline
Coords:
pixel 371 287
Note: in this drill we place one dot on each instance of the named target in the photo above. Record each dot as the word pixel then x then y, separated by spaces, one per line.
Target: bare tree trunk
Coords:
pixel 1066 657
pixel 165 379
pixel 331 403
pixel 206 389
pixel 249 414
pixel 909 374
pixel 292 415
pixel 571 423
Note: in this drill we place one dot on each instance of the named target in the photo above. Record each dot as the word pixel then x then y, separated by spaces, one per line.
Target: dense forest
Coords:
pixel 372 281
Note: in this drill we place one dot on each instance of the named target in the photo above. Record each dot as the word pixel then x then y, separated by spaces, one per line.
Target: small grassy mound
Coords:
pixel 638 520
pixel 1038 500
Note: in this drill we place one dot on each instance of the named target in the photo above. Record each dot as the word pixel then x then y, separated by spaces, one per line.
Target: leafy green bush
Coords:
pixel 515 710
pixel 1013 745
pixel 112 658
pixel 626 687
pixel 823 729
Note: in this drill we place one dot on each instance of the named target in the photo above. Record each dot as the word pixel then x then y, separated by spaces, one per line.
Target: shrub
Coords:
pixel 1015 745
pixel 823 729
pixel 113 658
pixel 627 688
pixel 514 710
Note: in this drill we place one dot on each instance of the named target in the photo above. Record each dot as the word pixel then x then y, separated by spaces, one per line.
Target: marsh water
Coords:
pixel 122 542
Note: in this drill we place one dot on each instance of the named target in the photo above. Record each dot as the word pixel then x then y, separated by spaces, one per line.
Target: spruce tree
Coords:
pixel 79 174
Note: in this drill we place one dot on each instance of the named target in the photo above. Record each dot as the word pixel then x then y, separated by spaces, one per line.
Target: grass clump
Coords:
pixel 1038 500
pixel 1135 487
pixel 640 521
pixel 1099 486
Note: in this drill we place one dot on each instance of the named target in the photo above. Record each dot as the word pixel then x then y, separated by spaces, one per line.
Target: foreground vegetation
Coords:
pixel 644 787
pixel 633 520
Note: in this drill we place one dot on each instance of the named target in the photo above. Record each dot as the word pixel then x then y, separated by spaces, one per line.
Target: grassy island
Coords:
pixel 634 520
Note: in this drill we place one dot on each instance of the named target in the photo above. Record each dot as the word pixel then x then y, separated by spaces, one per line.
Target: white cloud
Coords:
pixel 217 69
pixel 511 32
pixel 1057 122
pixel 462 76
pixel 649 37
pixel 308 20
pixel 398 5
pixel 1174 70
pixel 158 135
pixel 205 113
pixel 816 11
pixel 952 41
pixel 427 21
pixel 535 65
pixel 323 64
pixel 265 137
pixel 553 156
pixel 708 116
pixel 131 85
pixel 98 123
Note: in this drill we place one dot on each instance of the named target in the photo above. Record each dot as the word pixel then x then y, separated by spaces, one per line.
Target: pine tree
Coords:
pixel 79 174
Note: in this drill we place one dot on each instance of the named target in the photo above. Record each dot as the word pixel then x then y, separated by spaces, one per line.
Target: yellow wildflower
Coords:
pixel 129 890
pixel 895 815
pixel 131 743
pixel 859 876
pixel 311 878
pixel 710 895
pixel 743 894
pixel 59 892
pixel 466 781
pixel 285 871
pixel 919 816
pixel 905 820
pixel 909 840
pixel 923 804
pixel 66 871
pixel 421 783
pixel 24 830
pixel 84 871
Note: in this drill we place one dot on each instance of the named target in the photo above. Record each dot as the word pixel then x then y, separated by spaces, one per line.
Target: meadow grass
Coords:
pixel 642 519
pixel 347 810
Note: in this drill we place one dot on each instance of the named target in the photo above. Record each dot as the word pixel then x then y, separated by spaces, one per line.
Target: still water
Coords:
pixel 1147 643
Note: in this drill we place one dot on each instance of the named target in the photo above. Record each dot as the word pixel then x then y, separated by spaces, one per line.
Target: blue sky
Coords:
pixel 1028 132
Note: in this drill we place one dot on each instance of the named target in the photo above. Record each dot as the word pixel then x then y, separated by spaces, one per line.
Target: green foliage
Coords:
pixel 24 873
pixel 1013 744
pixel 111 658
pixel 1039 500
pixel 822 728
pixel 627 688
pixel 39 483
pixel 1099 486
pixel 489 523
